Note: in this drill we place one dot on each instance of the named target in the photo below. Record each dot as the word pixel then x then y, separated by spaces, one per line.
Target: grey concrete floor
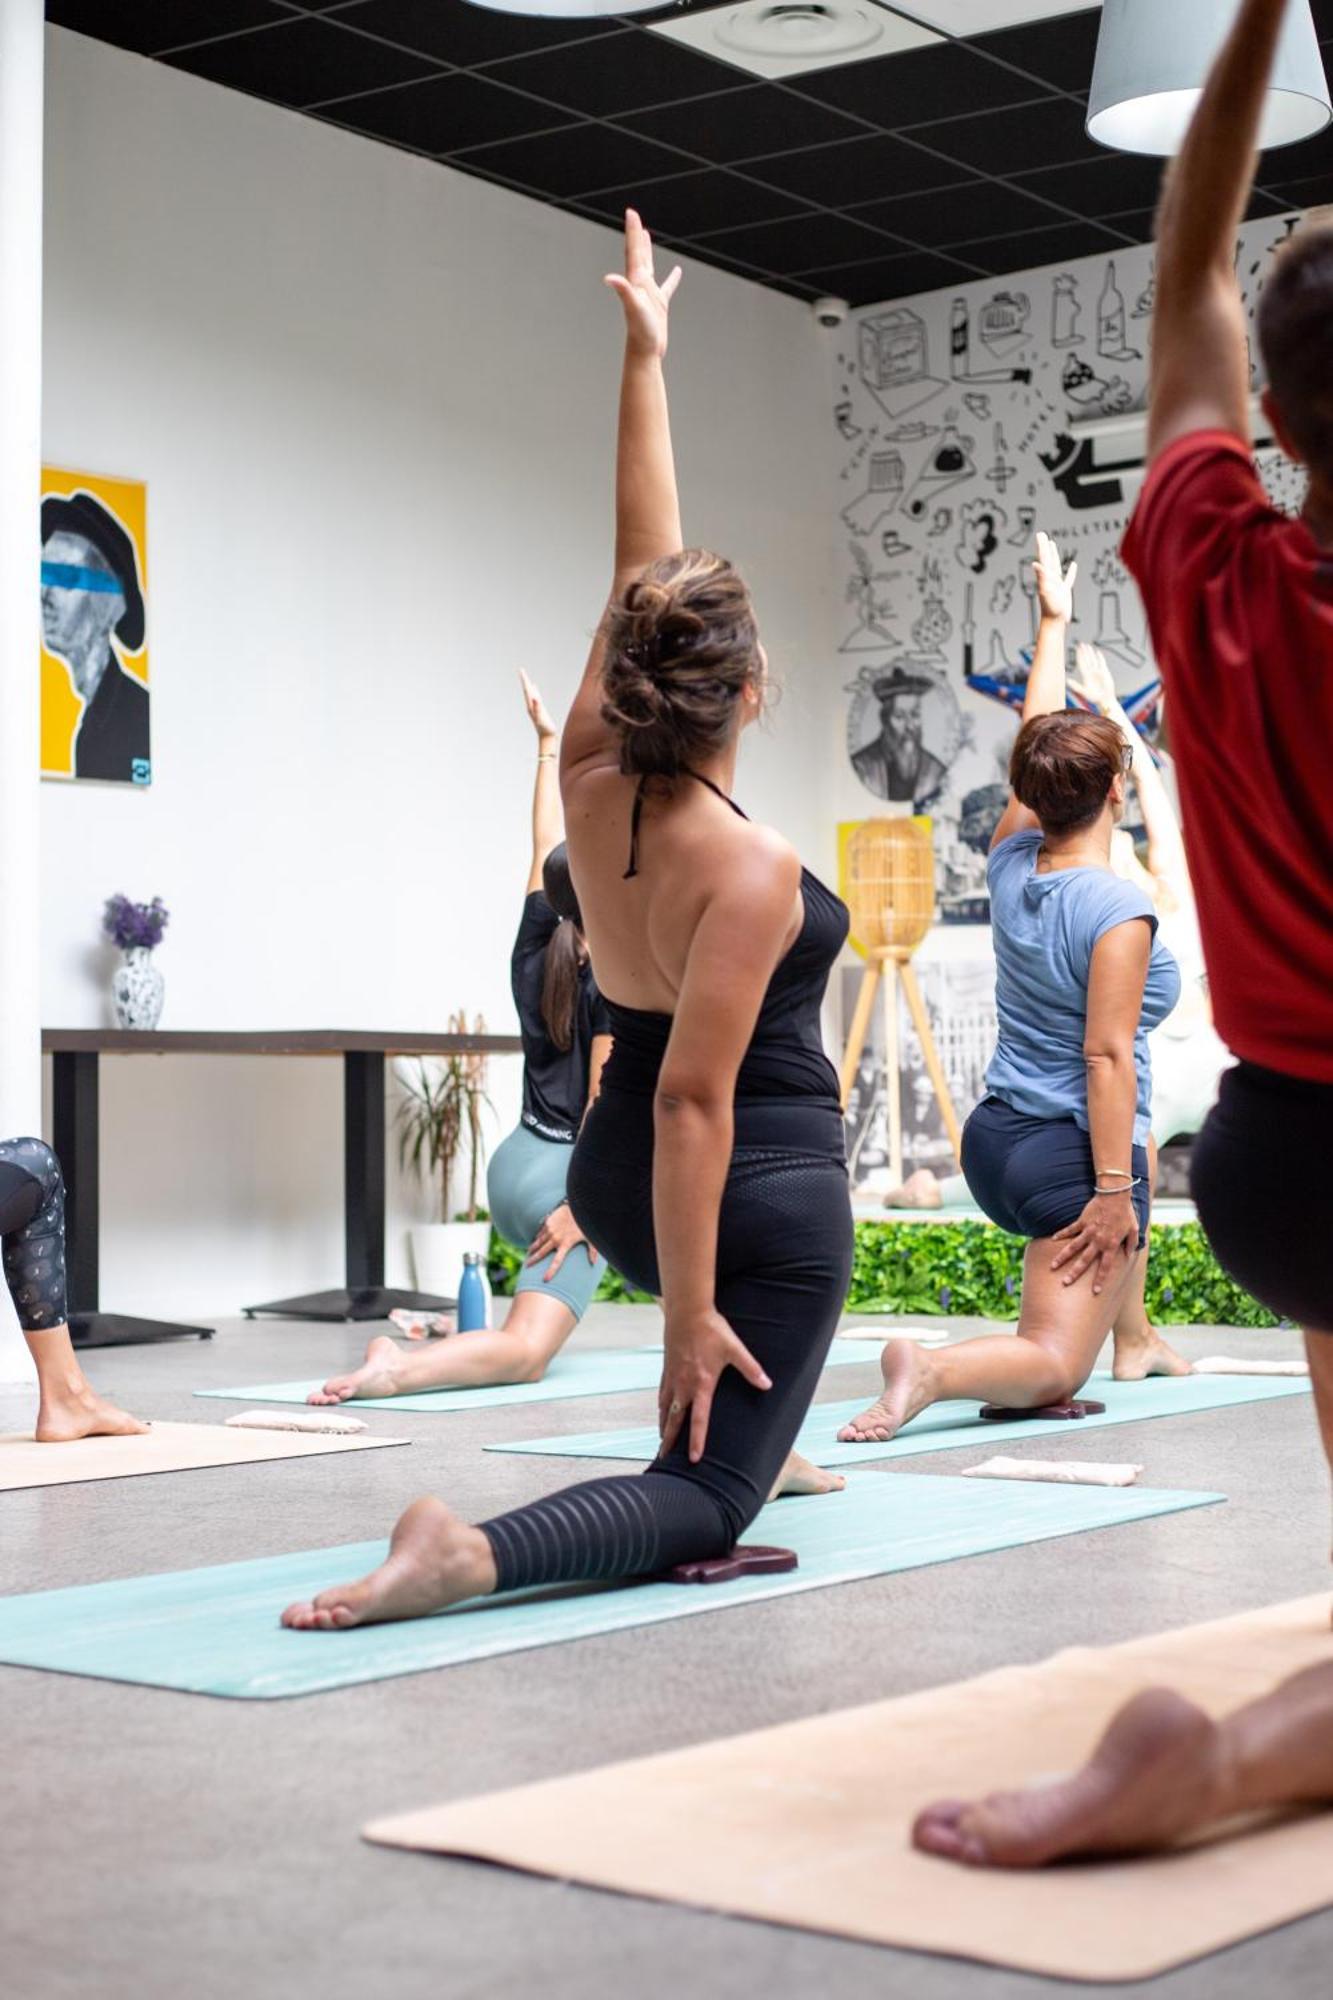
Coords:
pixel 159 1844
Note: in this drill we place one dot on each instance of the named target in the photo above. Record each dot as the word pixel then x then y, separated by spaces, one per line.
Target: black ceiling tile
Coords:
pixel 1313 193
pixel 447 113
pixel 582 160
pixel 1016 141
pixel 153 25
pixel 918 85
pixel 1296 163
pixel 956 214
pixel 1323 18
pixel 869 169
pixel 458 32
pixel 620 74
pixel 302 61
pixel 1111 182
pixel 866 284
pixel 1141 224
pixel 1036 247
pixel 744 124
pixel 1264 202
pixel 1060 51
pixel 802 242
pixel 696 204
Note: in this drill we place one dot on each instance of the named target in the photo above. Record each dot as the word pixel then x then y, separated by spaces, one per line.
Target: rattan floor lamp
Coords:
pixel 890 890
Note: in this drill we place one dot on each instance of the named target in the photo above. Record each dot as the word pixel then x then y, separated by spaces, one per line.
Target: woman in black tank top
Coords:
pixel 735 1209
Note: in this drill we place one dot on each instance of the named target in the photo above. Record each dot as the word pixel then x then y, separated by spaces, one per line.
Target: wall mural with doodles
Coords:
pixel 958 415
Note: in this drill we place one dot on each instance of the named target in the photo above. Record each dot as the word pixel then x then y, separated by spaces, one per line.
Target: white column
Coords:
pixel 22 30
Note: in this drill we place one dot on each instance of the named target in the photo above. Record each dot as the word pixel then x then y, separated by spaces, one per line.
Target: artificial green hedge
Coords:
pixel 972 1268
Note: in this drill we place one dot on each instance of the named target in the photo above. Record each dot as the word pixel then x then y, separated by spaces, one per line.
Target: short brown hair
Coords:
pixel 681 644
pixel 1296 341
pixel 1063 766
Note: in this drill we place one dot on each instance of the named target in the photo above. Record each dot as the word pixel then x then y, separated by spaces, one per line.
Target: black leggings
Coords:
pixel 32 1224
pixel 1259 1173
pixel 783 1266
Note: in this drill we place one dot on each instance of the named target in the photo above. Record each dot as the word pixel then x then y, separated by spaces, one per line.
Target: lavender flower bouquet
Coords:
pixel 135 926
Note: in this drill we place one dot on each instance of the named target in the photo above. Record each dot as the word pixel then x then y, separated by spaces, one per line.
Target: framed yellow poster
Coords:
pixel 95 698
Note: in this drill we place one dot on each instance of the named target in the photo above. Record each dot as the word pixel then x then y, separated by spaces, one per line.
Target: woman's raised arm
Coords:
pixel 548 826
pixel 647 506
pixel 1046 682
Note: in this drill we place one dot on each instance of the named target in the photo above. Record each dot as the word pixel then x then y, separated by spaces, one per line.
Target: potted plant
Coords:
pixel 439 1126
pixel 137 987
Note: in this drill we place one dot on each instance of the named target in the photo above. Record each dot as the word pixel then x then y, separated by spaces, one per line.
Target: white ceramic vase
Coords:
pixel 138 989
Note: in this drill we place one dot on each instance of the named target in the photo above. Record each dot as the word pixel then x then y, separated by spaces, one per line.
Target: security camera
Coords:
pixel 829 312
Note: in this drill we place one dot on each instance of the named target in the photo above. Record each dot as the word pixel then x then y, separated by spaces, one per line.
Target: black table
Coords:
pixel 76 1054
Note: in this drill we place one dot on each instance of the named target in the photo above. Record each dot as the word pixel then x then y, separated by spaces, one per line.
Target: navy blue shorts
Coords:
pixel 1034 1176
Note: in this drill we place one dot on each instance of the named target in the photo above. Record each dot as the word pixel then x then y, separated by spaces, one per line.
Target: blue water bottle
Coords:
pixel 471 1296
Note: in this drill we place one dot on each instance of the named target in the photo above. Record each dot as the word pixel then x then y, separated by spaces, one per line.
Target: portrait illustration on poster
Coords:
pixel 94 657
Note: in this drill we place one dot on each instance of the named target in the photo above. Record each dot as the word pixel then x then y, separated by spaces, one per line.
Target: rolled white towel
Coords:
pixel 924 1336
pixel 1056 1471
pixel 1223 1364
pixel 326 1421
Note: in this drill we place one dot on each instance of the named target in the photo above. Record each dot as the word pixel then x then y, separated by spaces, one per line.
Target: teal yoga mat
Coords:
pixel 589 1371
pixel 948 1426
pixel 216 1630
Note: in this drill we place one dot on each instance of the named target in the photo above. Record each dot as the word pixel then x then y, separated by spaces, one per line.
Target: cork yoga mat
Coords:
pixel 807 1825
pixel 164 1448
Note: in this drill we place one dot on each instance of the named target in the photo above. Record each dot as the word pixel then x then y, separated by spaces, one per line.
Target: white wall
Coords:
pixel 373 402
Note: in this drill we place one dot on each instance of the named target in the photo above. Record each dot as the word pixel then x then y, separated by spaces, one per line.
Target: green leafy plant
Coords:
pixel 972 1269
pixel 439 1114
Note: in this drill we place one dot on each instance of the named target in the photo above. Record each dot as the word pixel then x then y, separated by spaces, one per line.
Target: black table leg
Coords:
pixel 74 1107
pixel 365 1295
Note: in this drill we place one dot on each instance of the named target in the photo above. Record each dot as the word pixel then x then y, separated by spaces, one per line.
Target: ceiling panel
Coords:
pixel 300 61
pixel 869 179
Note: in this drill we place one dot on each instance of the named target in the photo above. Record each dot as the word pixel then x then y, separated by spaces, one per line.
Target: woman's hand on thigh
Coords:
pixel 699 1345
pixel 1107 1230
pixel 558 1235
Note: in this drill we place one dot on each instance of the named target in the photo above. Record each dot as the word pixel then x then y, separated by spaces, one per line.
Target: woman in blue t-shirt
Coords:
pixel 1057 1150
pixel 566 1041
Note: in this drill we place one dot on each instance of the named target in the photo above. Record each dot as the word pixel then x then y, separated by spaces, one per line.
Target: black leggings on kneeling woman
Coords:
pixel 784 1261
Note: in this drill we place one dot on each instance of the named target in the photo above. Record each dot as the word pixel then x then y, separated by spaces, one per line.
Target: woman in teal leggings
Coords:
pixel 566 1041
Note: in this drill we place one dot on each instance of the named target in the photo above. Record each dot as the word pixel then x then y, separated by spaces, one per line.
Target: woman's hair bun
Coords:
pixel 681 645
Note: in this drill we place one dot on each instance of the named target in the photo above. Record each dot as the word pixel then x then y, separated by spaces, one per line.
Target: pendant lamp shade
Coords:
pixel 568 10
pixel 1153 57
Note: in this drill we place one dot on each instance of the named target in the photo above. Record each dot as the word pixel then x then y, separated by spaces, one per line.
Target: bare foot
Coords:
pixel 919 1190
pixel 378 1375
pixel 907 1391
pixel 78 1413
pixel 1156 1774
pixel 1147 1354
pixel 434 1560
pixel 799 1476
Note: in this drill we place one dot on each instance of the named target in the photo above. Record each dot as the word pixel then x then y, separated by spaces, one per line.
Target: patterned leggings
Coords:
pixel 32 1224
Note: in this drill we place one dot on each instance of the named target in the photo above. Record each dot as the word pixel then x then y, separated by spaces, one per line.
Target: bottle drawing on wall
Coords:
pixel 1065 312
pixel 1112 341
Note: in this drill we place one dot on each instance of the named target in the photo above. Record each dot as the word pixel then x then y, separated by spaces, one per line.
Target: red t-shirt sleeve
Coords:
pixel 1200 496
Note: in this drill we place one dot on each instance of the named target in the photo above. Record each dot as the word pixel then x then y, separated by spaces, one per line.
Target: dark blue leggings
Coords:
pixel 1034 1176
pixel 32 1224
pixel 783 1266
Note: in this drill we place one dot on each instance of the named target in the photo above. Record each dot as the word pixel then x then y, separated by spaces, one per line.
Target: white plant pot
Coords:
pixel 438 1250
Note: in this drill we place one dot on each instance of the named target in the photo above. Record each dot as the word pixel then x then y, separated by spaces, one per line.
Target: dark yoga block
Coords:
pixel 746 1559
pixel 996 1413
